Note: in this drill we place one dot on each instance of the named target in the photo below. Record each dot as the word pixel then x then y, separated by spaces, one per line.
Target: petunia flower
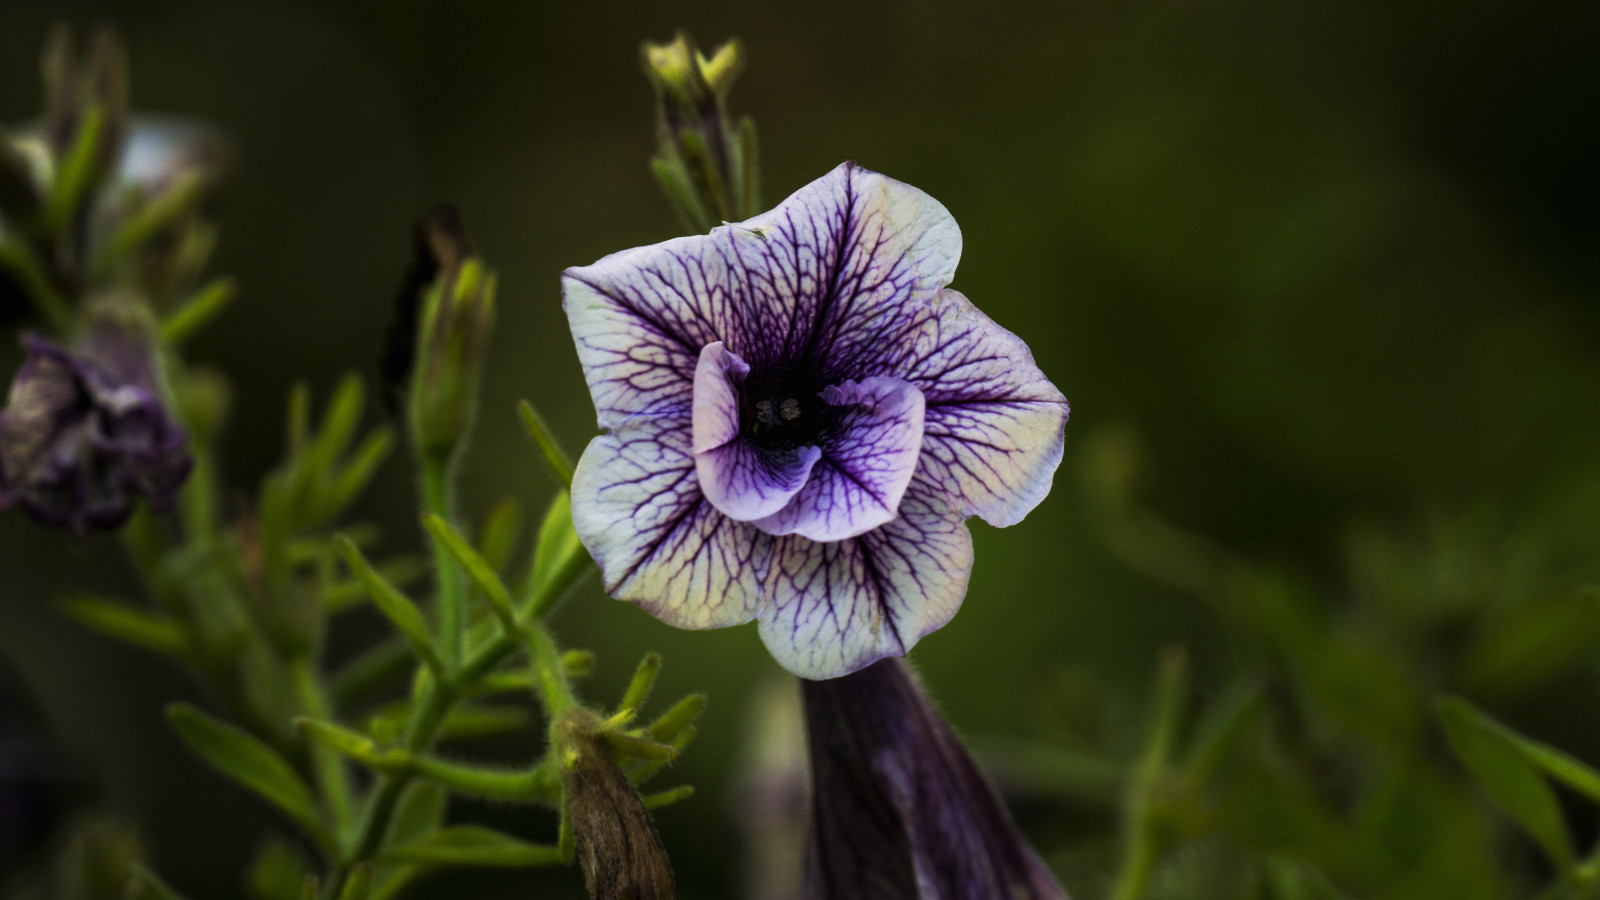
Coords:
pixel 85 435
pixel 799 417
pixel 899 811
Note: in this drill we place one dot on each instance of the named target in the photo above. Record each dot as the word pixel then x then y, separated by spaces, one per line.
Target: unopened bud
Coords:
pixel 705 162
pixel 452 307
pixel 618 848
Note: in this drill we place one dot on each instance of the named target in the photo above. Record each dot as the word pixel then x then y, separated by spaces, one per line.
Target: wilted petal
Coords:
pixel 865 468
pixel 742 480
pixel 638 508
pixel 995 424
pixel 79 444
pixel 899 809
pixel 842 269
pixel 835 607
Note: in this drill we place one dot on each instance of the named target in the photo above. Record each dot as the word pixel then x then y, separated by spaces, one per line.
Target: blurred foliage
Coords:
pixel 1334 267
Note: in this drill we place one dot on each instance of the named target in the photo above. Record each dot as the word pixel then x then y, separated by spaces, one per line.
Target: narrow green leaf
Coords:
pixel 339 423
pixel 421 810
pixel 644 678
pixel 396 606
pixel 472 845
pixel 559 558
pixel 556 458
pixel 472 721
pixel 477 568
pixel 498 539
pixel 198 311
pixel 159 633
pixel 680 716
pixel 578 663
pixel 637 747
pixel 1507 775
pixel 1532 643
pixel 358 884
pixel 278 870
pixel 642 770
pixel 351 743
pixel 668 797
pixel 401 571
pixel 1556 763
pixel 146 885
pixel 75 173
pixel 363 466
pixel 251 763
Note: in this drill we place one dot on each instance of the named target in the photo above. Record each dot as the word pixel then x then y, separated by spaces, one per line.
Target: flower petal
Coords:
pixel 838 271
pixel 640 319
pixel 994 423
pixel 865 470
pixel 637 507
pixel 833 608
pixel 741 480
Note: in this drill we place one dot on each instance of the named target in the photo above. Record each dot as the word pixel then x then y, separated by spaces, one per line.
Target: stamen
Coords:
pixel 789 409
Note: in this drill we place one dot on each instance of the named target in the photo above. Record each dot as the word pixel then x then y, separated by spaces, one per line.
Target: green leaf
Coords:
pixel 498 539
pixel 472 845
pixel 668 797
pixel 1533 643
pixel 680 716
pixel 556 458
pixel 482 574
pixel 421 810
pixel 397 606
pixel 1507 775
pixel 252 764
pixel 144 884
pixel 200 309
pixel 358 472
pixel 1556 763
pixel 278 871
pixel 559 557
pixel 159 633
pixel 472 721
pixel 644 678
pixel 358 884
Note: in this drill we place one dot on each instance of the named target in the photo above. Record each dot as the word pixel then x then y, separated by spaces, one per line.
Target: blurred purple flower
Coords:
pixel 899 811
pixel 85 435
pixel 799 417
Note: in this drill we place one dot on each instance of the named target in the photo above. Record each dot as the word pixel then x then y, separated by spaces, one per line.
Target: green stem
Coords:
pixel 1142 833
pixel 437 499
pixel 332 778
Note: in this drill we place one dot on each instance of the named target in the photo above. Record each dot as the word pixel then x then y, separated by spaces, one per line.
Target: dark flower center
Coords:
pixel 784 413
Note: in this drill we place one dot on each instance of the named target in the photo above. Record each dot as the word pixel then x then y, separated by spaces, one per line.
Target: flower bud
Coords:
pixel 899 810
pixel 91 93
pixel 705 163
pixel 86 434
pixel 454 308
pixel 618 848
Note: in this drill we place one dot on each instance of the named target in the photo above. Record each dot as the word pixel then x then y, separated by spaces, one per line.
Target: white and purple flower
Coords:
pixel 799 417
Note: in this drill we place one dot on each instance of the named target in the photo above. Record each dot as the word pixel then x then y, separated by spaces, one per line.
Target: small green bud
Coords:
pixel 706 162
pixel 455 317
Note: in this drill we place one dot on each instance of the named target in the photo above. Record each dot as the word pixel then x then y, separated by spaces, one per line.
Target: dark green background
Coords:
pixel 1334 263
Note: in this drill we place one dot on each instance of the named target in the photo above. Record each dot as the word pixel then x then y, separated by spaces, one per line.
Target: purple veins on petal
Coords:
pixel 832 608
pixel 742 479
pixel 866 464
pixel 800 415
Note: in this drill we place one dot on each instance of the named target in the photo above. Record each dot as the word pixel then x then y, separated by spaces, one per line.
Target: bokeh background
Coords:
pixel 1329 272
